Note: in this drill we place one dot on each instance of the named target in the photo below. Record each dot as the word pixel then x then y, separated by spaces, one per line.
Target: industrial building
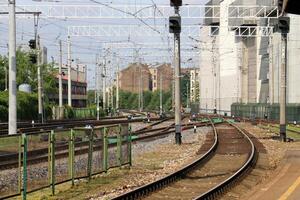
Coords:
pixel 79 86
pixel 241 69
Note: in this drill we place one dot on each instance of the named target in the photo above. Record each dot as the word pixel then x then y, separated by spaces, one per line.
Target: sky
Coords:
pixel 85 49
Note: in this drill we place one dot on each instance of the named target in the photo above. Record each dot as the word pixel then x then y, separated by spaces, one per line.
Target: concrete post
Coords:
pixel 160 95
pixel 60 78
pixel 97 88
pixel 117 85
pixel 104 84
pixel 69 73
pixel 12 117
pixel 283 88
pixel 40 100
pixel 177 85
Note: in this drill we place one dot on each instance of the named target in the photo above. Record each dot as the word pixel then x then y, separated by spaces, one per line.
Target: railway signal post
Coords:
pixel 175 27
pixel 283 26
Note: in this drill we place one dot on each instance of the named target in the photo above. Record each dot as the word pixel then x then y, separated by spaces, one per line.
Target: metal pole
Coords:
pixel 195 86
pixel 187 96
pixel 97 88
pixel 160 95
pixel 69 73
pixel 60 78
pixel 112 96
pixel 40 101
pixel 140 89
pixel 283 88
pixel 117 86
pixel 177 85
pixel 142 92
pixel 104 85
pixel 12 118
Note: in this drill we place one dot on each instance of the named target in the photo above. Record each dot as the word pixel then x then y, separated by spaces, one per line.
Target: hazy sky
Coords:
pixel 84 48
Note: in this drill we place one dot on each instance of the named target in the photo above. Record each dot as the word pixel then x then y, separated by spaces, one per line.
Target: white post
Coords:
pixel 60 76
pixel 104 84
pixel 69 73
pixel 117 85
pixel 160 95
pixel 12 118
pixel 40 101
pixel 97 88
pixel 177 85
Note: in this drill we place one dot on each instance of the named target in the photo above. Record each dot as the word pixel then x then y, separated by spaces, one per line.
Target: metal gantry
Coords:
pixel 125 30
pixel 113 11
pixel 142 31
pixel 245 31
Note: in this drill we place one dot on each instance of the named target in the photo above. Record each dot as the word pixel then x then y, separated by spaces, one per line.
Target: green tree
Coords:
pixel 185 86
pixel 3 67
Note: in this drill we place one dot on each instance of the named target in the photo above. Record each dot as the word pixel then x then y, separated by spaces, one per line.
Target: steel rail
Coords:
pixel 222 187
pixel 146 189
pixel 40 155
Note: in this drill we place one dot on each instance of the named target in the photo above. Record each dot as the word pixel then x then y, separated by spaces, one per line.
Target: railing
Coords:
pixel 48 159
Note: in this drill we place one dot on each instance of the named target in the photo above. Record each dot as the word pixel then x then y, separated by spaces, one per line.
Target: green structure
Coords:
pixel 265 111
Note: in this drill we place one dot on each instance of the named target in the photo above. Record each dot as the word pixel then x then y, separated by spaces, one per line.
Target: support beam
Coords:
pixel 142 31
pixel 113 11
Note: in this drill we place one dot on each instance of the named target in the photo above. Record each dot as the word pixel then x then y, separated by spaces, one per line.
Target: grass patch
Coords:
pixel 275 129
pixel 82 189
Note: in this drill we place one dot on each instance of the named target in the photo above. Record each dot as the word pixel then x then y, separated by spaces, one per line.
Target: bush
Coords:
pixel 3 113
pixel 69 112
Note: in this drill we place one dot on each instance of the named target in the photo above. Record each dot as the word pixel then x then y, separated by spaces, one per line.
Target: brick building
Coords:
pixel 163 72
pixel 134 76
pixel 130 77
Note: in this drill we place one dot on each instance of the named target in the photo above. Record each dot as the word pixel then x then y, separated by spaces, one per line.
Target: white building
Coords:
pixel 194 85
pixel 245 69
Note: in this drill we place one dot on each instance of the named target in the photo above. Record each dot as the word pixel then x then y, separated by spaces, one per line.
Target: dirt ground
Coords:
pixel 272 155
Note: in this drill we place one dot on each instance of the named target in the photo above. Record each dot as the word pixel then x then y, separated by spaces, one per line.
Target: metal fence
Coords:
pixel 30 162
pixel 269 111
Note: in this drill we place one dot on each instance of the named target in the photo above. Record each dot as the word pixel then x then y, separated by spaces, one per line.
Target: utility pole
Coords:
pixel 160 95
pixel 141 98
pixel 187 96
pixel 284 27
pixel 97 88
pixel 104 84
pixel 175 27
pixel 39 78
pixel 69 73
pixel 39 74
pixel 117 85
pixel 112 96
pixel 12 118
pixel 60 79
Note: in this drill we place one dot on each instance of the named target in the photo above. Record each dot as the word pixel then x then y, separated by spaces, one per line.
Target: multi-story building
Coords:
pixel 79 86
pixel 161 74
pixel 245 69
pixel 135 78
pixel 148 77
pixel 194 85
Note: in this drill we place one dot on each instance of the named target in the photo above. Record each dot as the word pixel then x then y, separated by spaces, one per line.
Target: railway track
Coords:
pixel 40 128
pixel 10 160
pixel 227 155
